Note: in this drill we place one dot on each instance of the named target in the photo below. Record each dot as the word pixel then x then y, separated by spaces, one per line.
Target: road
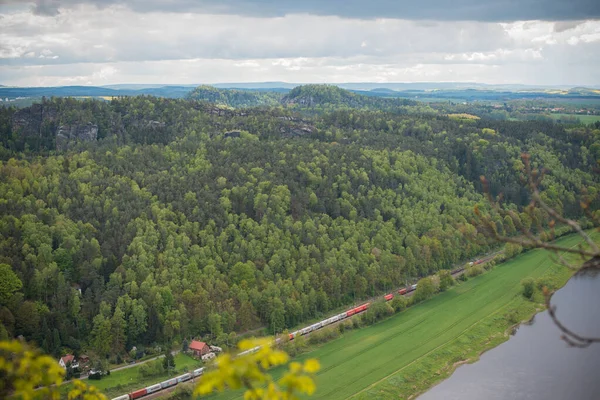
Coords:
pixel 127 366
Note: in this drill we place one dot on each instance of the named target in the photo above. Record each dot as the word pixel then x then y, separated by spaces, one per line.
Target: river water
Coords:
pixel 535 363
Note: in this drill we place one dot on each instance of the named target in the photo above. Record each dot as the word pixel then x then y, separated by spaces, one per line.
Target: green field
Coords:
pixel 407 353
pixel 129 379
pixel 584 119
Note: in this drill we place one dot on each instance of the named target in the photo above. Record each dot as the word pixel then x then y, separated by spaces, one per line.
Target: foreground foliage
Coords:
pixel 27 374
pixel 249 372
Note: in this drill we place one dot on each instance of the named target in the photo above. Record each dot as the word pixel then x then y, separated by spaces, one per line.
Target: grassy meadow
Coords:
pixel 407 353
pixel 584 119
pixel 129 379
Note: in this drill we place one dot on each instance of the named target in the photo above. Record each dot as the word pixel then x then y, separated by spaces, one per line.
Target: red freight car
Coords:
pixel 388 297
pixel 138 393
pixel 350 312
pixel 362 308
pixel 402 291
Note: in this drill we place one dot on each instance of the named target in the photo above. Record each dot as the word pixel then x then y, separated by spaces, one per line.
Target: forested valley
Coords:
pixel 144 220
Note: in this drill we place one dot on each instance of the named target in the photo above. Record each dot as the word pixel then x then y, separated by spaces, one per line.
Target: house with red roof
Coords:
pixel 199 348
pixel 65 360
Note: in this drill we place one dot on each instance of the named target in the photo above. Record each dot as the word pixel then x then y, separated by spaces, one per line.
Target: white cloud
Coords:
pixel 115 44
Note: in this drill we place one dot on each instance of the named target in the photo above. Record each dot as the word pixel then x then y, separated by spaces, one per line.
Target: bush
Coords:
pixel 547 282
pixel 399 303
pixel 323 335
pixel 425 289
pixel 474 270
pixel 182 392
pixel 446 280
pixel 345 326
pixel 528 287
pixel 152 368
pixel 296 346
pixel 512 316
pixel 489 265
pixel 377 311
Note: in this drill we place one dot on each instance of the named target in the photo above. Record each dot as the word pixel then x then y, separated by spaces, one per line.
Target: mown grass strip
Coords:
pixel 407 353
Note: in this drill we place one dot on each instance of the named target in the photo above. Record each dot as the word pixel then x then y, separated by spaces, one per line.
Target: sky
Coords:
pixel 101 42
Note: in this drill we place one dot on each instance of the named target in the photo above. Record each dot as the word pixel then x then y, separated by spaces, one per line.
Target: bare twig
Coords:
pixel 590 256
pixel 572 338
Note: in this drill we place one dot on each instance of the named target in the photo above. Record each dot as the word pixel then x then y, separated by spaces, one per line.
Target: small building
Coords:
pixel 199 348
pixel 69 358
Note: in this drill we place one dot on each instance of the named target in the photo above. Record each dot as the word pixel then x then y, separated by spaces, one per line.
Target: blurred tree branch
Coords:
pixel 589 254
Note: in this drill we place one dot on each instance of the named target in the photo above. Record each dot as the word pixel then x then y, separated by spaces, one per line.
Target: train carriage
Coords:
pixel 168 383
pixel 184 377
pixel 198 372
pixel 124 397
pixel 153 388
pixel 138 393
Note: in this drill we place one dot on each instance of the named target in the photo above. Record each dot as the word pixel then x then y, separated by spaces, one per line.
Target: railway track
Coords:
pixel 408 291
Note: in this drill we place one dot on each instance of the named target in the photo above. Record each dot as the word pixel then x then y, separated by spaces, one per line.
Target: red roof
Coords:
pixel 198 346
pixel 68 358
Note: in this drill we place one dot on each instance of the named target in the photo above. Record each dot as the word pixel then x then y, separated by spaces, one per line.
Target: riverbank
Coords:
pixel 411 351
pixel 493 330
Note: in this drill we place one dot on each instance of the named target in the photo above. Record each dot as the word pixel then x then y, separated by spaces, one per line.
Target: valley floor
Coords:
pixel 407 353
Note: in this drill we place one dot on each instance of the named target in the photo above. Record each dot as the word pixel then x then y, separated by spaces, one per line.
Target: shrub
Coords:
pixel 512 317
pixel 323 335
pixel 182 392
pixel 151 368
pixel 377 311
pixel 512 249
pixel 399 303
pixel 446 280
pixel 489 265
pixel 474 270
pixel 425 289
pixel 528 287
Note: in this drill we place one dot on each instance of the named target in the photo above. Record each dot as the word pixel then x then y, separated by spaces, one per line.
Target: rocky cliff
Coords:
pixel 68 134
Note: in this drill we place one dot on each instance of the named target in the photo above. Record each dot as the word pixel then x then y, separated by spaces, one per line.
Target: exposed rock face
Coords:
pixel 41 120
pixel 232 134
pixel 306 101
pixel 29 121
pixel 296 130
pixel 67 134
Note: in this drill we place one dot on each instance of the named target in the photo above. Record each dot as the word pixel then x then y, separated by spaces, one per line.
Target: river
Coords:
pixel 535 363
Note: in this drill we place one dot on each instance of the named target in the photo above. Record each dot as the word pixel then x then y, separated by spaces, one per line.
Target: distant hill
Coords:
pixel 383 90
pixel 234 97
pixel 310 96
pixel 92 91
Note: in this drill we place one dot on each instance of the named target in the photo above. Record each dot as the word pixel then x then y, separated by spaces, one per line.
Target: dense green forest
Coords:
pixel 148 220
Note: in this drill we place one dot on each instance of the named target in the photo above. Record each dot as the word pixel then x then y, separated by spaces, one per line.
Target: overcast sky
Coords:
pixel 100 42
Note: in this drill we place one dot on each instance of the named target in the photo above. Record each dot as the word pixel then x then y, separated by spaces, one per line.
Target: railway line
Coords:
pixel 155 390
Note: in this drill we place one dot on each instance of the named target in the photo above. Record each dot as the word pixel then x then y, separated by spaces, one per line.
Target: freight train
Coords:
pixel 304 331
pixel 160 386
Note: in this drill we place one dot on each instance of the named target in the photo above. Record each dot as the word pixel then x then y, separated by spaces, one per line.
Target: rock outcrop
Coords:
pixel 29 121
pixel 68 134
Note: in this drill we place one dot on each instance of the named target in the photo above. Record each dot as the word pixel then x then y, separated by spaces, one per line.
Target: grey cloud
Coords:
pixel 561 26
pixel 444 10
pixel 91 36
pixel 47 8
